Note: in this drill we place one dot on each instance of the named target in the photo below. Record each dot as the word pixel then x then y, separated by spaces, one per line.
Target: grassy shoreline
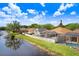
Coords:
pixel 50 53
pixel 50 47
pixel 60 49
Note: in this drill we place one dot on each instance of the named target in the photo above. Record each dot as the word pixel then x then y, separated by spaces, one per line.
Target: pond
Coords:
pixel 18 47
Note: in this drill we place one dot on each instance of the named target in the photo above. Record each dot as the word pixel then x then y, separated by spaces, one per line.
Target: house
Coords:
pixel 50 33
pixel 27 30
pixel 61 30
pixel 61 33
pixel 30 31
pixel 23 30
pixel 40 32
pixel 65 35
pixel 73 36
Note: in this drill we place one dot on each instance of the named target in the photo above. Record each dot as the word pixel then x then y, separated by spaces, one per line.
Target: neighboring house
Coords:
pixel 61 30
pixel 61 33
pixel 23 30
pixel 50 34
pixel 66 35
pixel 39 32
pixel 28 30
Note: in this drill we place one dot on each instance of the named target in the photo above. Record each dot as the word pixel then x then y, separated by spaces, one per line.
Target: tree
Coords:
pixel 24 26
pixel 2 28
pixel 35 26
pixel 72 26
pixel 48 26
pixel 15 26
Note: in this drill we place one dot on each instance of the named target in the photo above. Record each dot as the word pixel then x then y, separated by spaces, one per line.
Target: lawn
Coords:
pixel 53 47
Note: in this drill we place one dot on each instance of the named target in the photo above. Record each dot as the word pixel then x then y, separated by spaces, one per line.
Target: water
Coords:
pixel 72 44
pixel 18 47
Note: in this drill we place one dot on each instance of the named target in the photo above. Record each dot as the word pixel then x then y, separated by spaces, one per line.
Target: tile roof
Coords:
pixel 61 30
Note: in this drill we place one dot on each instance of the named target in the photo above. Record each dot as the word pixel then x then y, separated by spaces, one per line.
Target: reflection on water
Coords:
pixel 11 46
pixel 13 42
pixel 1 33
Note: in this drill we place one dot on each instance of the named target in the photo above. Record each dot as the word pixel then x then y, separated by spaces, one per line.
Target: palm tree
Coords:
pixel 15 26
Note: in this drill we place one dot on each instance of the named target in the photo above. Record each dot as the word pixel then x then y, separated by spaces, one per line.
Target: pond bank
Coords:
pixel 50 53
pixel 51 47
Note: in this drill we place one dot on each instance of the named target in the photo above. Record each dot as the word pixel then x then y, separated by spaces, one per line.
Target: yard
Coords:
pixel 51 47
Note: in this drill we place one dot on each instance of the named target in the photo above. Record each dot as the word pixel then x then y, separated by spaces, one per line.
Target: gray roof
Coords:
pixel 51 32
pixel 41 29
pixel 72 34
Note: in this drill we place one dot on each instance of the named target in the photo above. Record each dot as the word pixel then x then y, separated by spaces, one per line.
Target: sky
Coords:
pixel 40 13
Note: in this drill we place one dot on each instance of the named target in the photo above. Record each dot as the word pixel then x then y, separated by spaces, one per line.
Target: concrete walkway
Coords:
pixel 42 38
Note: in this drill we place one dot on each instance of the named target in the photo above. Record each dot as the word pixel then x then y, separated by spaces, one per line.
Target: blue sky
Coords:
pixel 40 13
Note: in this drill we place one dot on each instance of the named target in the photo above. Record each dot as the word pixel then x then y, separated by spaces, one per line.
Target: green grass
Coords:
pixel 60 49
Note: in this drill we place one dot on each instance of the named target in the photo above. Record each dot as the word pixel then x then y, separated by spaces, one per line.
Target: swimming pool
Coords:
pixel 72 44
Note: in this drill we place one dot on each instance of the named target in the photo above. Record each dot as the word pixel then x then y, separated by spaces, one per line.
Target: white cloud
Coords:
pixel 37 19
pixel 7 9
pixel 13 12
pixel 43 4
pixel 73 13
pixel 63 7
pixel 32 11
pixel 44 12
pixel 69 5
pixel 3 15
pixel 57 13
pixel 14 7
